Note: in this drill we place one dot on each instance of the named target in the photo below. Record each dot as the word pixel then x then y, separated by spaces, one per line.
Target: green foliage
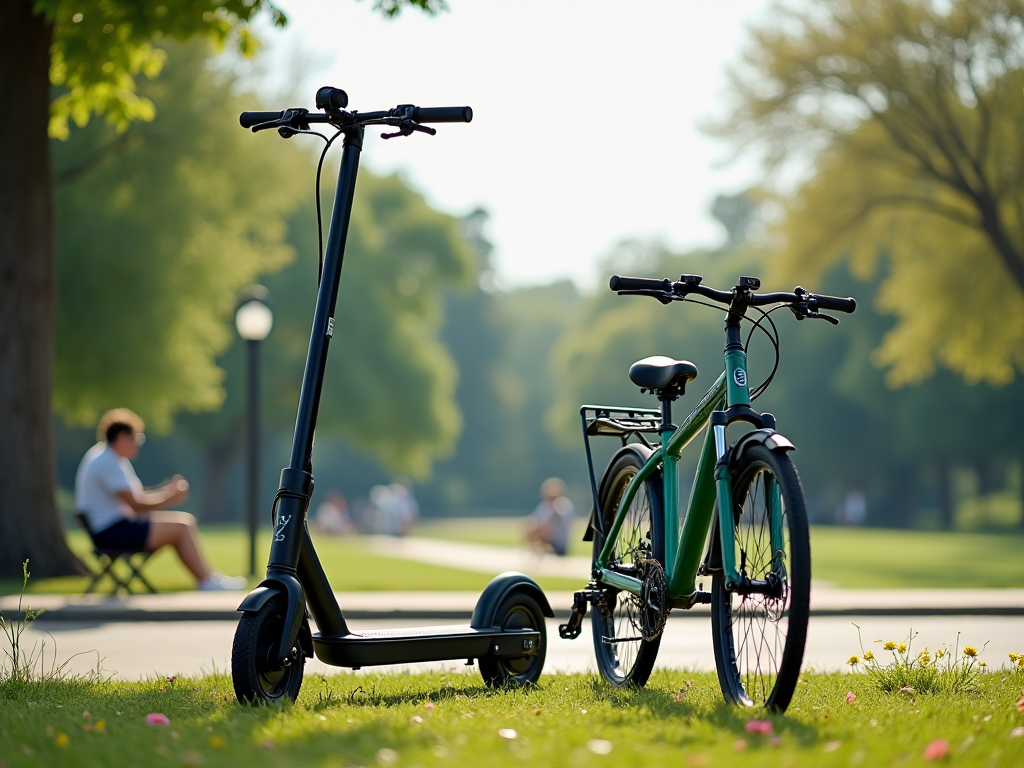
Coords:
pixel 910 112
pixel 448 718
pixel 160 227
pixel 101 47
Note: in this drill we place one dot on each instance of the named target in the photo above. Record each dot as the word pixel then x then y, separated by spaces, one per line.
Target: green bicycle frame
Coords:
pixel 684 547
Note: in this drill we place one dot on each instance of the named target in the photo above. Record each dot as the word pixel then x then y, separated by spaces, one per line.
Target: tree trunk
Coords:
pixel 30 528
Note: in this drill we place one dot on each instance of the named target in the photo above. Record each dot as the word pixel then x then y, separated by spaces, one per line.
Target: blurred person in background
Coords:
pixel 547 529
pixel 332 515
pixel 121 514
pixel 407 510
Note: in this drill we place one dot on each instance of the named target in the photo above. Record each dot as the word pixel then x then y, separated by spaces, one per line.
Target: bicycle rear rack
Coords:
pixel 613 421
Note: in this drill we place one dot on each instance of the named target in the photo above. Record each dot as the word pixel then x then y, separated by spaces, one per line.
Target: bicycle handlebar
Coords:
pixel 249 119
pixel 668 290
pixel 442 114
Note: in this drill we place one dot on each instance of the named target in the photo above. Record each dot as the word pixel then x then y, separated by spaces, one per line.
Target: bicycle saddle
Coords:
pixel 660 372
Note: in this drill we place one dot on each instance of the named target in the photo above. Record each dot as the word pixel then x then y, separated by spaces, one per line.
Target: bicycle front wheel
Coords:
pixel 624 657
pixel 759 638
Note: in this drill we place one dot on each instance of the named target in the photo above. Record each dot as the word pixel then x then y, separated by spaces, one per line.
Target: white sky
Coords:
pixel 585 115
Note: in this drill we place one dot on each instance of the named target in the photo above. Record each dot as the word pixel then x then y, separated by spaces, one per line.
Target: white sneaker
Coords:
pixel 218 582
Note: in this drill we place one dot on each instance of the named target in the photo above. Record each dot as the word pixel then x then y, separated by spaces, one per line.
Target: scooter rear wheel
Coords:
pixel 255 678
pixel 517 611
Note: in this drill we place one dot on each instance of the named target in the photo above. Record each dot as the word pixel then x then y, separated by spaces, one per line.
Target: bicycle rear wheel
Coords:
pixel 759 638
pixel 623 656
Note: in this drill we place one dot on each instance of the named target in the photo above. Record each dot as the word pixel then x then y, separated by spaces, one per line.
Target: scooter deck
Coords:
pixel 373 647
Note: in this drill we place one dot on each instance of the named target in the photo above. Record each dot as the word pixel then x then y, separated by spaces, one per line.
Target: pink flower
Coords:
pixel 850 697
pixel 740 745
pixel 937 750
pixel 430 706
pixel 763 727
pixel 155 718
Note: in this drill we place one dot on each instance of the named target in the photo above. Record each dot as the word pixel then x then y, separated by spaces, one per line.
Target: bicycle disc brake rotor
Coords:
pixel 654 602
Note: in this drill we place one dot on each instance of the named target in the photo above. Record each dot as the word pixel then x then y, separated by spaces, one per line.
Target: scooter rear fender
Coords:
pixel 501 586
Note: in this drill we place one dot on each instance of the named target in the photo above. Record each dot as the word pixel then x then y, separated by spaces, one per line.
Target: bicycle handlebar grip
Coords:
pixel 249 119
pixel 618 283
pixel 837 304
pixel 443 115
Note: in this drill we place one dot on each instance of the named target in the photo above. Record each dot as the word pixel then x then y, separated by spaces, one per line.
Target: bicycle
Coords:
pixel 506 633
pixel 757 554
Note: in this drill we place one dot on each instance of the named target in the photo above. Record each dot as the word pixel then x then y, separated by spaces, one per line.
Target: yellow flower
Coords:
pixel 925 660
pixel 970 650
pixel 890 646
pixel 1013 656
pixel 101 725
pixel 982 663
pixel 869 656
pixel 939 653
pixel 853 661
pixel 62 740
pixel 1020 662
pixel 901 648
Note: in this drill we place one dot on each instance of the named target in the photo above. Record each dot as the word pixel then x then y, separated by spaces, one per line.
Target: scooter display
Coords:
pixel 506 634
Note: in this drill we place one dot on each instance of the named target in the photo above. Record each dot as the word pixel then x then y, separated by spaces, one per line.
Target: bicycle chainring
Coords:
pixel 654 600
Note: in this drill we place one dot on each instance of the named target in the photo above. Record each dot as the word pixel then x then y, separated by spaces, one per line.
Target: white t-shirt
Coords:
pixel 101 476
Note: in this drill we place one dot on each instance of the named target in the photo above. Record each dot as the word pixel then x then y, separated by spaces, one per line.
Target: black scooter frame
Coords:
pixel 294 572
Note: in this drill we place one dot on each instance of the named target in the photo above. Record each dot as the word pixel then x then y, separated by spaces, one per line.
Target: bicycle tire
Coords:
pixel 256 639
pixel 759 639
pixel 627 663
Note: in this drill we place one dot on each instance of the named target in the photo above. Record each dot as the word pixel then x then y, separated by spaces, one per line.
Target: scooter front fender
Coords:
pixel 296 627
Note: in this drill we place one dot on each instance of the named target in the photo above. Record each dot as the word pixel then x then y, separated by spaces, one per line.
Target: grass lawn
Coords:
pixel 348 565
pixel 451 719
pixel 867 558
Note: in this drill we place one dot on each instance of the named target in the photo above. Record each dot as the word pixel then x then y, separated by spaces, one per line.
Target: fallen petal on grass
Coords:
pixel 1020 705
pixel 832 746
pixel 386 756
pixel 430 706
pixel 508 733
pixel 191 759
pixel 763 727
pixel 850 697
pixel 417 719
pixel 937 750
pixel 740 745
pixel 599 746
pixel 1018 732
pixel 155 718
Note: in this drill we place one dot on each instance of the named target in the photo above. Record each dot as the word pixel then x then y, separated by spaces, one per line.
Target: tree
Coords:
pixel 910 111
pixel 92 50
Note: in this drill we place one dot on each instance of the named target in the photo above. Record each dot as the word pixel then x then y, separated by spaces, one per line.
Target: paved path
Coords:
pixel 135 650
pixel 455 606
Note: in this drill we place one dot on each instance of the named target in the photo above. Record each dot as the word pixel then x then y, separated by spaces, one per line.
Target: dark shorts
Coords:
pixel 125 534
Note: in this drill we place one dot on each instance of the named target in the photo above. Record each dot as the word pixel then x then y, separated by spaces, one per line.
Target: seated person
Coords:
pixel 547 529
pixel 121 514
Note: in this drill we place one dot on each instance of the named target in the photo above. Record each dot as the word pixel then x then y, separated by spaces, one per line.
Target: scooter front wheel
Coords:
pixel 517 611
pixel 255 675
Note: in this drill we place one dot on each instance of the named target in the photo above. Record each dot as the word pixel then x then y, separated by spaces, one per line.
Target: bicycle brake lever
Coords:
pixel 406 127
pixel 823 316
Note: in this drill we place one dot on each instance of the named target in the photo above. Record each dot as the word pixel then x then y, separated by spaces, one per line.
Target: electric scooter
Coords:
pixel 506 634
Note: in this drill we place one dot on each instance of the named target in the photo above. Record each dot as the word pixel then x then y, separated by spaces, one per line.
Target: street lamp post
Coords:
pixel 253 319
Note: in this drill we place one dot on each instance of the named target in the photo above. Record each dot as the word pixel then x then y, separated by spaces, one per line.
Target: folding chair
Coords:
pixel 108 558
